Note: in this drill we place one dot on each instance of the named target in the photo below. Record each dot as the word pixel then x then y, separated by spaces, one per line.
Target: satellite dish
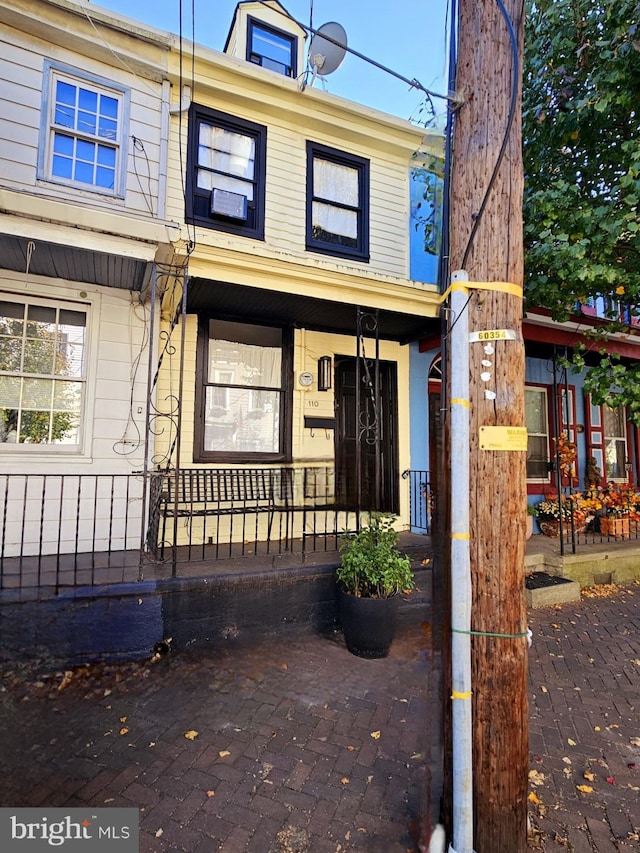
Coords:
pixel 325 55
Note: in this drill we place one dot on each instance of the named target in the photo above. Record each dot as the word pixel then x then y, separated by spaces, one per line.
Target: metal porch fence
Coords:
pixel 61 531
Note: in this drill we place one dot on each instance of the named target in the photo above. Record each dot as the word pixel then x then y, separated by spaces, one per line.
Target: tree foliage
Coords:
pixel 581 131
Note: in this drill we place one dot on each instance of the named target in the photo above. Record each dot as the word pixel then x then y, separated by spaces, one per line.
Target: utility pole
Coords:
pixel 486 244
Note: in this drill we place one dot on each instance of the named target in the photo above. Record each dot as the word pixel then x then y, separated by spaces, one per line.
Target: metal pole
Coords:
pixel 461 595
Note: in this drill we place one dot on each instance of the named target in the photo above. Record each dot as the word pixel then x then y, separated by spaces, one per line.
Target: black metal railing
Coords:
pixel 68 530
pixel 421 500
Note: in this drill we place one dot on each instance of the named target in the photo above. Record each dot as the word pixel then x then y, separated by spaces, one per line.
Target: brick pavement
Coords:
pixel 287 757
pixel 584 711
pixel 300 747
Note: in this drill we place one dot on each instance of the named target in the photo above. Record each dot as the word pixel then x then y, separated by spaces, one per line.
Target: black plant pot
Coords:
pixel 368 624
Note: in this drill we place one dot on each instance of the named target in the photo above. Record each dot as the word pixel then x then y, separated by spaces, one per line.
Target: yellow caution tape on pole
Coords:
pixel 499 286
pixel 456 695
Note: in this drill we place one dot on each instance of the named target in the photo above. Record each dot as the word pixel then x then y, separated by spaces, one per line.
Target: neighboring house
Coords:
pixel 83 146
pixel 557 404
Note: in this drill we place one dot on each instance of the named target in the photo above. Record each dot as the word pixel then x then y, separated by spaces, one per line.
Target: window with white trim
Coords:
pixel 83 131
pixel 537 420
pixel 42 373
pixel 615 443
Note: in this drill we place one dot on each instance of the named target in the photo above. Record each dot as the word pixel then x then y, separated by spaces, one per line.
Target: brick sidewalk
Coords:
pixel 304 748
pixel 300 747
pixel 584 711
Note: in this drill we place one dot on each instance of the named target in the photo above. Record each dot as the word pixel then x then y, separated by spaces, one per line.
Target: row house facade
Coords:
pixel 213 279
pixel 310 275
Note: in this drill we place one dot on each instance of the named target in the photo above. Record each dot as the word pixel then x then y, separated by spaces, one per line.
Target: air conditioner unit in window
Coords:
pixel 225 203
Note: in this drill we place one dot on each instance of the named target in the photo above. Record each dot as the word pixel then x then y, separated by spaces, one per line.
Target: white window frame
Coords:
pixel 53 451
pixel 615 439
pixel 54 72
pixel 544 392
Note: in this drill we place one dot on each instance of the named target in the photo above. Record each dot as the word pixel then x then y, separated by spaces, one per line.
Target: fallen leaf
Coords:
pixel 375 735
pixel 344 780
pixel 351 748
pixel 123 719
pixel 588 776
pixel 567 760
pixel 632 766
pixel 124 730
pixel 534 798
pixel 597 729
pixel 635 741
pixel 66 680
pixel 191 734
pixel 211 793
pixel 284 666
pixel 159 832
pixel 535 777
pixel 611 780
pixel 544 689
pixel 223 753
pixel 152 743
pixel 571 741
pixel 586 789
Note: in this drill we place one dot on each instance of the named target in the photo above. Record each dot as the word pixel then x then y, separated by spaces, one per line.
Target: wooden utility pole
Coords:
pixel 486 241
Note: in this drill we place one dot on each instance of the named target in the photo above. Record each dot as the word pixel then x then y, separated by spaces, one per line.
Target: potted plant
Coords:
pixel 371 575
pixel 571 509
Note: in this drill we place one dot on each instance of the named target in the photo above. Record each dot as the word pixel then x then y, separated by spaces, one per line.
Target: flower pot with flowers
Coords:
pixel 616 506
pixel 570 512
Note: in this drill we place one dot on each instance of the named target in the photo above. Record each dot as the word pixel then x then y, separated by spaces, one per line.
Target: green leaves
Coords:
pixel 581 153
pixel 371 565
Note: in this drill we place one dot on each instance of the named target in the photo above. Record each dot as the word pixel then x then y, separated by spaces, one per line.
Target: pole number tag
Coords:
pixel 493 335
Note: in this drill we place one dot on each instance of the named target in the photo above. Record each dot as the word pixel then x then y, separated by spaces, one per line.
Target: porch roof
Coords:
pixel 324 315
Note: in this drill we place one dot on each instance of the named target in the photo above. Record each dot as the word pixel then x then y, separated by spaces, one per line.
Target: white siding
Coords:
pixel 21 80
pixel 115 375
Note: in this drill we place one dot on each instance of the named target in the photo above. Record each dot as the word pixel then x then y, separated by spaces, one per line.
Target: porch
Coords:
pixel 63 532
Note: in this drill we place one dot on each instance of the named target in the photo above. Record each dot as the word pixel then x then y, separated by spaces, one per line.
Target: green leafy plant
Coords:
pixel 581 152
pixel 371 564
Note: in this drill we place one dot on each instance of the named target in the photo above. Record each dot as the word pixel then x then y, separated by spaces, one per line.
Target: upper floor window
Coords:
pixel 337 203
pixel 271 48
pixel 245 391
pixel 83 131
pixel 42 372
pixel 226 173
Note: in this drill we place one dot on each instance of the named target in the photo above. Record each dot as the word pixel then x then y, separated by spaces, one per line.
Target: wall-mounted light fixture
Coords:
pixel 325 370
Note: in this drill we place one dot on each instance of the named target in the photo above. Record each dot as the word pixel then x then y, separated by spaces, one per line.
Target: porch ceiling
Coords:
pixel 323 315
pixel 74 264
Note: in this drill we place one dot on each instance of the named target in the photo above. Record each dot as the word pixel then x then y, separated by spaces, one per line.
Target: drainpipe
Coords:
pixel 460 570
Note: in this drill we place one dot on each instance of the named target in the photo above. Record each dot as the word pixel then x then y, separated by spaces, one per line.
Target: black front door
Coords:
pixel 366 445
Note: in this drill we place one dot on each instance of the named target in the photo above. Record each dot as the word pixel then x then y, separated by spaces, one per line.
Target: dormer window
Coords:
pixel 271 48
